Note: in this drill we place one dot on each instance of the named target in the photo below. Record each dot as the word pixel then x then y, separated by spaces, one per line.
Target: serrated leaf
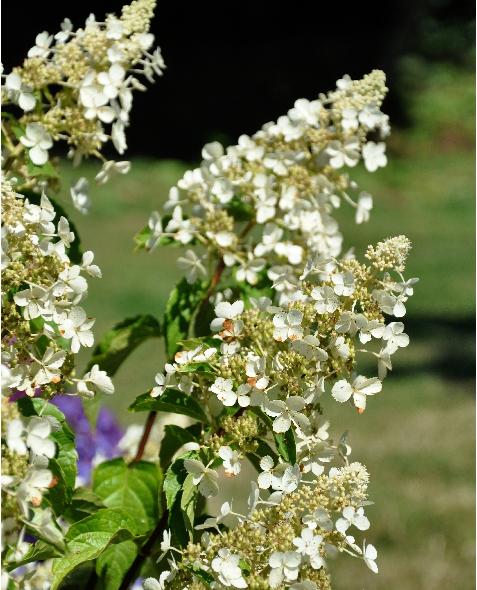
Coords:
pixel 114 562
pixel 87 539
pixel 180 309
pixel 119 342
pixel 172 400
pixel 64 464
pixel 174 438
pixel 134 488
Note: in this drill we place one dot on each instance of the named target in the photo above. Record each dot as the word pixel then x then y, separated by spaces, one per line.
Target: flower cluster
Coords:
pixel 285 182
pixel 263 376
pixel 42 287
pixel 77 86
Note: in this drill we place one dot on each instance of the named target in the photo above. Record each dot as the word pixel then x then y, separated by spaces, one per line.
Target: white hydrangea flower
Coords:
pixel 352 517
pixel 223 389
pixel 343 153
pixel 46 370
pixel 231 460
pixel 75 326
pixel 287 325
pixel 15 438
pixel 286 412
pixel 395 337
pixel 326 300
pixel 20 92
pixel 38 432
pixel 360 388
pixel 363 210
pixel 38 141
pixel 285 566
pixel 80 195
pixel 226 565
pixel 42 45
pixel 249 269
pixel 99 381
pixel 226 311
pixel 192 265
pixel 343 283
pixel 369 555
pixel 203 476
pixel 310 348
pixel 374 156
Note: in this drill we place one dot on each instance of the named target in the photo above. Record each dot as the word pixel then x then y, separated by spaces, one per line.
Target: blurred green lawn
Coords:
pixel 418 437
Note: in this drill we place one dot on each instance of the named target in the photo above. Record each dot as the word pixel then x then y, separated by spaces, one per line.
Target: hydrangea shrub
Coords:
pixel 270 323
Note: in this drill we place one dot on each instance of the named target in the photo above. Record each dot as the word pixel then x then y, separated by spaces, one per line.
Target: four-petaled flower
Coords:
pixel 360 388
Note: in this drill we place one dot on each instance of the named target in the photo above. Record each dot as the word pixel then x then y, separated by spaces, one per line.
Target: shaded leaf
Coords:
pixel 180 309
pixel 174 438
pixel 114 562
pixel 83 503
pixel 119 342
pixel 88 538
pixel 172 400
pixel 134 488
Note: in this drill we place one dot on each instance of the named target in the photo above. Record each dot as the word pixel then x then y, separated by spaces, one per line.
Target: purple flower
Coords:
pixel 103 440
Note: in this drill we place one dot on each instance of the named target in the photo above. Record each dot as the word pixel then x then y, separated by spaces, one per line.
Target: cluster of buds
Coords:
pixel 77 87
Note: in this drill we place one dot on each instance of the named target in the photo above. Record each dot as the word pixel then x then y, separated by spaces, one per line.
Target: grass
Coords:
pixel 417 438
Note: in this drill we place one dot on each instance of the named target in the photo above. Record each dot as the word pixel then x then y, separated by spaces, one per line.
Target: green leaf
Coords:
pixel 112 564
pixel 200 367
pixel 188 503
pixel 286 445
pixel 180 309
pixel 172 400
pixel 174 438
pixel 83 576
pixel 203 576
pixel 174 480
pixel 47 170
pixel 83 503
pixel 134 488
pixel 64 464
pixel 87 539
pixel 119 342
pixel 239 209
pixel 37 552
